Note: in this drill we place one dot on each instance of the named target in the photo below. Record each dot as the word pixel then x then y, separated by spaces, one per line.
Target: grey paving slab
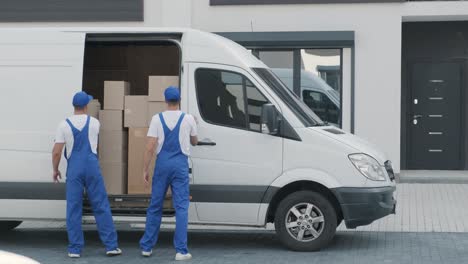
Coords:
pixel 49 246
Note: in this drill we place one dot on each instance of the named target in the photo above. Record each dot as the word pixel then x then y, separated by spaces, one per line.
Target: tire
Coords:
pixel 316 234
pixel 9 225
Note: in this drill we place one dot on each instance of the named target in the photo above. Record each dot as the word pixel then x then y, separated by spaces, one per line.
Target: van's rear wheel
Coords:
pixel 305 221
pixel 9 225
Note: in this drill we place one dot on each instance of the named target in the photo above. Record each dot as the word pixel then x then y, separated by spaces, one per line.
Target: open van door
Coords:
pixel 39 72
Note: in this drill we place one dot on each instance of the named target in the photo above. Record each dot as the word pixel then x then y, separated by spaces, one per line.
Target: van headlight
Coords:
pixel 368 166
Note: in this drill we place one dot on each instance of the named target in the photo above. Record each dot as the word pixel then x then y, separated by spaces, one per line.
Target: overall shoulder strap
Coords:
pixel 180 120
pixel 88 119
pixel 73 128
pixel 163 122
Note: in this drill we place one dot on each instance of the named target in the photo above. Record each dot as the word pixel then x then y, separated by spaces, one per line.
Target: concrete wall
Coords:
pixel 378 44
pixel 377 62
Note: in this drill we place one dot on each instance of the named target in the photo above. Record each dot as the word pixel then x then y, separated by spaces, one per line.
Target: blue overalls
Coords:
pixel 84 172
pixel 171 169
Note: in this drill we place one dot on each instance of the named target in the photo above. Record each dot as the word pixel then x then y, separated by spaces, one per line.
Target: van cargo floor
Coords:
pixel 130 205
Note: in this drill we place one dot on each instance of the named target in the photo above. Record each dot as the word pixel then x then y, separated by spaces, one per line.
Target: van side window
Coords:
pixel 229 99
pixel 255 101
pixel 321 105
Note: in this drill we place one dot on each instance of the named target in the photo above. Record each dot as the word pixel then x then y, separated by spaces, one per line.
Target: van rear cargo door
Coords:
pixel 39 72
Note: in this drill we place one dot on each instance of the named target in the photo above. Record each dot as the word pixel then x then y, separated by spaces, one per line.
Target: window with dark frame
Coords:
pixel 289 2
pixel 72 11
pixel 306 71
pixel 229 99
pixel 321 105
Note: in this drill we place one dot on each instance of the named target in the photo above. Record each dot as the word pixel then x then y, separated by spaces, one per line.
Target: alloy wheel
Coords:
pixel 305 222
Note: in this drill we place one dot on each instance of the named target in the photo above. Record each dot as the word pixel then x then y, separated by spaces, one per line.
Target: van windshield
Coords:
pixel 307 116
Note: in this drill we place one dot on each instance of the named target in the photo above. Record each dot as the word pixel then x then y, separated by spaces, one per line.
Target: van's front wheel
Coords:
pixel 305 221
pixel 9 225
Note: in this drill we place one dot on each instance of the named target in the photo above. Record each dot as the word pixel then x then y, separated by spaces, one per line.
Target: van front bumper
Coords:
pixel 362 206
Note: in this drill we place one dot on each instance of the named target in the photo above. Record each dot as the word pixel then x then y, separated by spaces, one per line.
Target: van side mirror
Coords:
pixel 270 120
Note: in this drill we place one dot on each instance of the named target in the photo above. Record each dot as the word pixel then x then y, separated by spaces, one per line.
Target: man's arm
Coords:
pixel 193 140
pixel 151 144
pixel 56 156
pixel 193 131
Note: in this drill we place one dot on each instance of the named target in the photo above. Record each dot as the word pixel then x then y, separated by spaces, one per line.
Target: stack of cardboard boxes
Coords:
pixel 121 151
pixel 93 108
pixel 113 146
pixel 139 110
pixel 156 87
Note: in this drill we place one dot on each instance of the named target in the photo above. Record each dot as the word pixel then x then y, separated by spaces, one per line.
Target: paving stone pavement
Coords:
pixel 49 247
pixel 426 208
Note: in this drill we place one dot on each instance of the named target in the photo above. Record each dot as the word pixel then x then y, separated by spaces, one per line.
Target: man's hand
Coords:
pixel 146 177
pixel 57 176
pixel 56 153
pixel 151 143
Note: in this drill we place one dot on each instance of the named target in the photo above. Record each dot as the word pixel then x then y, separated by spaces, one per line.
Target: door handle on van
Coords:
pixel 206 143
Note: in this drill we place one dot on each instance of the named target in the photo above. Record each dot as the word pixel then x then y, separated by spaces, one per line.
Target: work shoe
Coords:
pixel 180 256
pixel 147 254
pixel 73 255
pixel 115 252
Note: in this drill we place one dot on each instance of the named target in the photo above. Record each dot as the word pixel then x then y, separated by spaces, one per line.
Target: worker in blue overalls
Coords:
pixel 171 132
pixel 79 134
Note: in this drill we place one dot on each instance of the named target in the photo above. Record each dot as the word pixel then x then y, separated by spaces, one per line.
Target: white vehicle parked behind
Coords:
pixel 264 156
pixel 316 94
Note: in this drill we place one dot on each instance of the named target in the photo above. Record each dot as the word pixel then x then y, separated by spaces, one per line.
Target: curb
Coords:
pixel 432 178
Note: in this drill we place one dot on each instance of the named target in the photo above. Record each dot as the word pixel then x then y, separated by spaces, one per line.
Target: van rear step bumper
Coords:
pixel 362 206
pixel 130 205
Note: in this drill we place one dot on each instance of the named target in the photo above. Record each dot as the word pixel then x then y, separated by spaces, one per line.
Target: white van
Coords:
pixel 263 157
pixel 316 94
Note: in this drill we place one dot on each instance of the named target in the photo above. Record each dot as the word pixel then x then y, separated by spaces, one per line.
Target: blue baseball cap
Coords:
pixel 172 94
pixel 81 99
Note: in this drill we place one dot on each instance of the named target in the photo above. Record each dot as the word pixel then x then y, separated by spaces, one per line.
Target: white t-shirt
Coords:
pixel 65 134
pixel 188 128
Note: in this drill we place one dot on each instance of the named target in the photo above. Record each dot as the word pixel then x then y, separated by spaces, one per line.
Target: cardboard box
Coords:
pixel 157 85
pixel 115 177
pixel 111 120
pixel 114 92
pixel 136 151
pixel 113 146
pixel 136 110
pixel 93 108
pixel 155 108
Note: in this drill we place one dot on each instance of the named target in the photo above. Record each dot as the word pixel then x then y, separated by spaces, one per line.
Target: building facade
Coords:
pixel 398 68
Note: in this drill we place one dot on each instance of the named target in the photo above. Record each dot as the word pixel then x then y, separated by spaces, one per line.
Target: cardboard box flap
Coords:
pixel 155 108
pixel 136 150
pixel 157 85
pixel 111 120
pixel 136 108
pixel 114 93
